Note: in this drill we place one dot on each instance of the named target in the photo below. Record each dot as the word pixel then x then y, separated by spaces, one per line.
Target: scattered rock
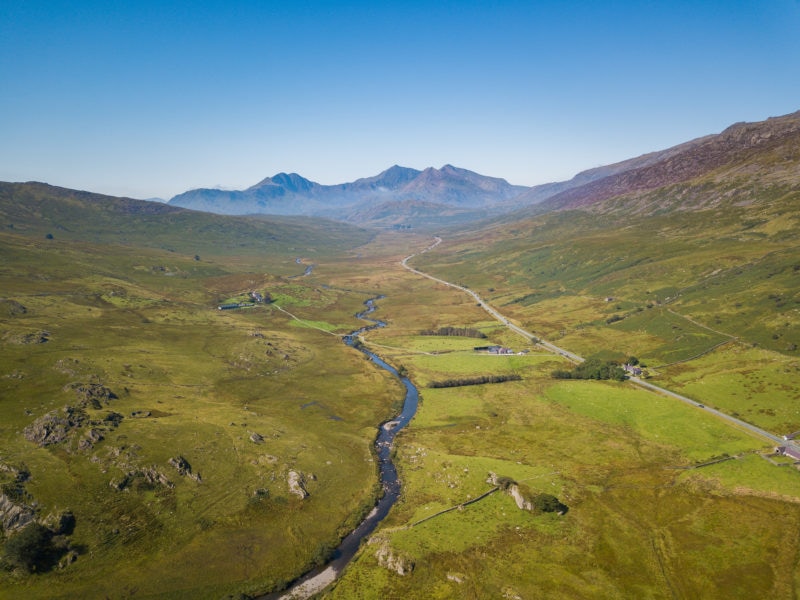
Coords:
pixel 92 394
pixel 142 479
pixel 456 577
pixel 34 337
pixel 256 438
pixel 91 437
pixel 69 558
pixel 68 366
pixel 113 419
pixel 297 484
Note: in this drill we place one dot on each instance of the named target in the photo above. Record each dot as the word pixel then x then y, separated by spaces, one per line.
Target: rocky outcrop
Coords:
pixel 55 426
pixel 184 468
pixel 388 559
pixel 297 484
pixel 12 308
pixel 537 503
pixel 58 426
pixel 91 437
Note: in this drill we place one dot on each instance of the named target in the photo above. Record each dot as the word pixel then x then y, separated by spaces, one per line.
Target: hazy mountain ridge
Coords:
pixel 293 194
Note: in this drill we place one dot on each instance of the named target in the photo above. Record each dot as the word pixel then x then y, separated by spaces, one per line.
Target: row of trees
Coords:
pixel 455 331
pixel 473 380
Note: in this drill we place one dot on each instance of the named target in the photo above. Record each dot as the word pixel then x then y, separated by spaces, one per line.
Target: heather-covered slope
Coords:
pixel 759 154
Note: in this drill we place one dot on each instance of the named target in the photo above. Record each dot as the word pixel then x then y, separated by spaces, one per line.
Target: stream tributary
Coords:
pixel 318 579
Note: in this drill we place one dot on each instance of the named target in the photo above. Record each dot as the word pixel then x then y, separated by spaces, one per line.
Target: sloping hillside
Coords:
pixel 756 154
pixel 40 210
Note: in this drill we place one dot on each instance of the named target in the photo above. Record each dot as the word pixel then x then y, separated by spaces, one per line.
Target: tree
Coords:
pixel 31 548
pixel 548 503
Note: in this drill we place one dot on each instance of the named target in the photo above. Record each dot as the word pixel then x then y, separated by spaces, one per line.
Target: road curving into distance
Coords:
pixel 738 423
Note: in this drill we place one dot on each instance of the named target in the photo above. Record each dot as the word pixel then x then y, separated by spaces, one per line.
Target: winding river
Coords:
pixel 318 579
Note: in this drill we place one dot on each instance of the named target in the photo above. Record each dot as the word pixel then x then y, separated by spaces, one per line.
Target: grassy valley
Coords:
pixel 169 428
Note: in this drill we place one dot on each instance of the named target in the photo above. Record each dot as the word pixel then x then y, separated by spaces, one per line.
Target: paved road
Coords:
pixel 577 359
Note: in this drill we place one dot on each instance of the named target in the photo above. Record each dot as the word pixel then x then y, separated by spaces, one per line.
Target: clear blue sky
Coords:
pixel 153 98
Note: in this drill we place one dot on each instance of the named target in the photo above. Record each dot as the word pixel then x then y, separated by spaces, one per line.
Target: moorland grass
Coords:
pixel 202 382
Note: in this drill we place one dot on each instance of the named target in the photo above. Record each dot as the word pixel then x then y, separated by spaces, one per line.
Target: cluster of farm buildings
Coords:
pixel 255 297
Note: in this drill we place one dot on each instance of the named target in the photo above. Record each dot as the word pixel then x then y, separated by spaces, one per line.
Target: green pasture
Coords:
pixel 657 418
pixel 756 385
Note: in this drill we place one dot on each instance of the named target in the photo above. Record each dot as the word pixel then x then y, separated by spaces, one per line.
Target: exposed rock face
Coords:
pixel 394 562
pixel 297 484
pixel 522 503
pixel 55 426
pixel 14 516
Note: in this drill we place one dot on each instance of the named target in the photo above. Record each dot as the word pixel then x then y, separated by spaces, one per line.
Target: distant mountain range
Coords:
pixel 391 193
pixel 450 195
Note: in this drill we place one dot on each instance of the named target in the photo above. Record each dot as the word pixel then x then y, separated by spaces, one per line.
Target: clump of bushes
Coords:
pixel 593 369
